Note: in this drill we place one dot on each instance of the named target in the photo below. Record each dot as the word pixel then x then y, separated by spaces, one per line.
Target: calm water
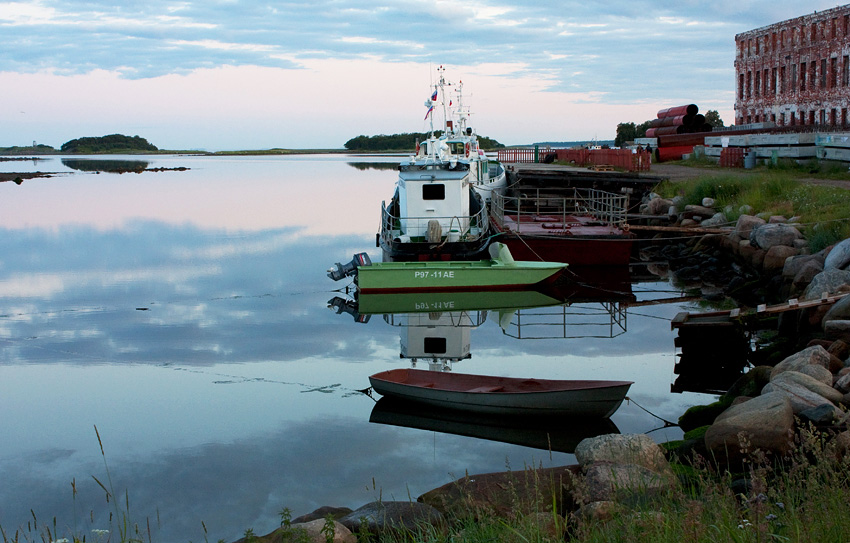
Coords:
pixel 185 315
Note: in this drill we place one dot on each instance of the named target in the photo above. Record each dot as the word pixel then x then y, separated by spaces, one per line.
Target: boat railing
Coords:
pixel 606 207
pixel 454 228
pixel 601 320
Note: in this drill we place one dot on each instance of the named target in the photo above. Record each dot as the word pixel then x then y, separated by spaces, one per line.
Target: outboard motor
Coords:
pixel 343 305
pixel 338 271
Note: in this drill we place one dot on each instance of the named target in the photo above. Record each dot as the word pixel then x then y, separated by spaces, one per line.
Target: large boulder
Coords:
pixel 312 531
pixel 504 493
pixel 791 380
pixel 659 206
pixel 765 422
pixel 746 224
pixel 837 329
pixel 381 516
pixel 637 449
pixel 795 264
pixel 830 281
pixel 840 310
pixel 815 354
pixel 839 256
pixel 608 481
pixel 774 259
pixel 818 373
pixel 768 235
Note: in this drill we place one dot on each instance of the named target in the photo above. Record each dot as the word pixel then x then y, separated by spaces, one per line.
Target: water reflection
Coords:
pixel 168 307
pixel 106 165
pixel 561 434
pixel 381 166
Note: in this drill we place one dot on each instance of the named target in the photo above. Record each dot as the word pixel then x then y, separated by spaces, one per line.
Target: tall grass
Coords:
pixel 822 211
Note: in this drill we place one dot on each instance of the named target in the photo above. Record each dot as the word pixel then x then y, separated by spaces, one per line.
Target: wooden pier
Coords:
pixel 739 317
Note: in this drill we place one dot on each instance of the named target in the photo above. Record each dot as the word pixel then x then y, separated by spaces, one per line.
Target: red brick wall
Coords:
pixel 796 72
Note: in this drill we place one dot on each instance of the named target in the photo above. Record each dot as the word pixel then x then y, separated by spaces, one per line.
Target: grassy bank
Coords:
pixel 823 211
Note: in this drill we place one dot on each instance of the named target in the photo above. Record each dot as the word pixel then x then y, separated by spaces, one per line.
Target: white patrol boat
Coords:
pixel 439 210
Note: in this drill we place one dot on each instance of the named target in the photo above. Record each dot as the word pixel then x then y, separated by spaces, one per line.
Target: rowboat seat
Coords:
pixel 491 388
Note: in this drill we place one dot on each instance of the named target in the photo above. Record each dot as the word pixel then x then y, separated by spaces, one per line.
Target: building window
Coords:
pixel 749 84
pixel 833 117
pixel 844 116
pixel 793 119
pixel 847 25
pixel 834 33
pixel 793 84
pixel 833 72
pixel 802 76
pixel 758 82
pixel 845 71
pixel 782 119
pixel 814 32
pixel 782 39
pixel 813 76
pixel 782 79
pixel 757 46
pixel 741 86
pixel 812 117
pixel 823 73
pixel 773 80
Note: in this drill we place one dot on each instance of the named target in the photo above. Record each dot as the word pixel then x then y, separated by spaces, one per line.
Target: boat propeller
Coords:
pixel 338 271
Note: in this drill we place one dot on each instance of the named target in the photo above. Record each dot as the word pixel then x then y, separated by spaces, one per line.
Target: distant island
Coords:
pixel 113 143
pixel 404 142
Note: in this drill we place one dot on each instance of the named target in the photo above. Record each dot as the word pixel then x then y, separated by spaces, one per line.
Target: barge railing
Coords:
pixel 605 207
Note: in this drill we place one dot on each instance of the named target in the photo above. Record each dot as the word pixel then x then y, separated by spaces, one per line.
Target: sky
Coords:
pixel 229 74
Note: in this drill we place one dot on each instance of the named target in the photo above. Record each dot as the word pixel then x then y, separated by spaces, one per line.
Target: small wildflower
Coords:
pixel 771 517
pixel 780 505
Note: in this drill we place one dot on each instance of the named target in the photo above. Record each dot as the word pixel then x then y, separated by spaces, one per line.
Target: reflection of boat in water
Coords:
pixel 502 395
pixel 439 209
pixel 585 227
pixel 558 433
pixel 500 272
pixel 591 303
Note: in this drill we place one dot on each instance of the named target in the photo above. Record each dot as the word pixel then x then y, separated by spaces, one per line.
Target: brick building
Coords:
pixel 796 72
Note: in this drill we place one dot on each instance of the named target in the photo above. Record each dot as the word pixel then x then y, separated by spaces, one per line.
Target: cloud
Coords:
pixel 635 54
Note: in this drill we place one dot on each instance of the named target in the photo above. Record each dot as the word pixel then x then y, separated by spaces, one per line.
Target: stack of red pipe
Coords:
pixel 678 120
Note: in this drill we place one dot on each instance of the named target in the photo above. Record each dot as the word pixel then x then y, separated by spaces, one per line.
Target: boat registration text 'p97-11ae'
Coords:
pixel 438 274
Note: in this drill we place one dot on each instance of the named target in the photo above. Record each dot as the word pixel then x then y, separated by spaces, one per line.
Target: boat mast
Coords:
pixel 442 84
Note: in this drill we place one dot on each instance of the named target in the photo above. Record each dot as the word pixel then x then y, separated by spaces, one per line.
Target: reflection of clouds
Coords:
pixel 40 285
pixel 233 486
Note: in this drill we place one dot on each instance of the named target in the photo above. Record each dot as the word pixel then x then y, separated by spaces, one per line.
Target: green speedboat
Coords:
pixel 501 272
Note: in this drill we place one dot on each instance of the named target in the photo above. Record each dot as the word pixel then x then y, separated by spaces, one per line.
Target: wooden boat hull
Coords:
pixel 502 395
pixel 388 277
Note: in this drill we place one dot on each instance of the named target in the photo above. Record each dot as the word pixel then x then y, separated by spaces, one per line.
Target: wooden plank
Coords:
pixel 735 313
pixel 761 308
pixel 681 229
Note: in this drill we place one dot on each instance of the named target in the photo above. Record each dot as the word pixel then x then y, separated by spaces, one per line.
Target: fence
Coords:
pixel 623 159
pixel 606 207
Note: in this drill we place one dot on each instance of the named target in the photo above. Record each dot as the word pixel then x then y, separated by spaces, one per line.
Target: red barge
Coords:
pixel 581 226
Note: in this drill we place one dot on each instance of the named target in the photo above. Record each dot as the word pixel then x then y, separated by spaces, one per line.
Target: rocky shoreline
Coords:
pixel 767 408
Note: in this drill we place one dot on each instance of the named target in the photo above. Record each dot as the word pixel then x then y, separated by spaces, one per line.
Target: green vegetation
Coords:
pixel 39 149
pixel 823 211
pixel 114 143
pixel 403 142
